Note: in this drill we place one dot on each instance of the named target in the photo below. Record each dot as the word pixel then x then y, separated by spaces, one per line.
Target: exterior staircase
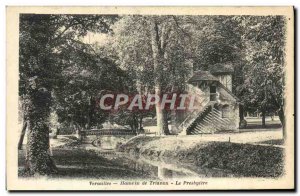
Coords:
pixel 208 121
pixel 205 120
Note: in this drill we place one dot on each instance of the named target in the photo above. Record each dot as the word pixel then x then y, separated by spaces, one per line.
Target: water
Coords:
pixel 162 168
pixel 88 161
pixel 152 167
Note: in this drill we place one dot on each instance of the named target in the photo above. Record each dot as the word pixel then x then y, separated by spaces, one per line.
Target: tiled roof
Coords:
pixel 207 76
pixel 202 75
pixel 221 68
pixel 228 91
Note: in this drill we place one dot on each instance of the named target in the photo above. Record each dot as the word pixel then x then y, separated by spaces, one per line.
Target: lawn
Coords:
pixel 241 159
pixel 74 161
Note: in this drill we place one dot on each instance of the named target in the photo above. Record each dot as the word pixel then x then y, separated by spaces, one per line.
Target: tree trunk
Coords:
pixel 161 117
pixel 165 123
pixel 263 118
pixel 55 133
pixel 282 120
pixel 162 121
pixel 135 123
pixel 91 112
pixel 140 123
pixel 38 160
pixel 241 109
pixel 22 135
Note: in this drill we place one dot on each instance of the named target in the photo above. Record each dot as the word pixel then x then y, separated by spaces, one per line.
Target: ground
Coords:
pixel 75 160
pixel 255 151
pixel 253 134
pixel 252 152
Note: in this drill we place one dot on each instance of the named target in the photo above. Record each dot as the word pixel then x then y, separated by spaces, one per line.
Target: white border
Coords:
pixel 3 3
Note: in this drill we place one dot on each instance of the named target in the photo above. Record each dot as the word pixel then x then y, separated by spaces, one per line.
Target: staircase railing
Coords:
pixel 201 116
pixel 191 117
pixel 195 90
pixel 191 89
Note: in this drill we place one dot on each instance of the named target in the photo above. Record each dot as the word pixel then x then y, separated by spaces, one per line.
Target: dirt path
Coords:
pixel 245 136
pixel 190 141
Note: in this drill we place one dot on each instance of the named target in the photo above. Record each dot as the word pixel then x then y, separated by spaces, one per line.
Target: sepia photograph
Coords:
pixel 150 98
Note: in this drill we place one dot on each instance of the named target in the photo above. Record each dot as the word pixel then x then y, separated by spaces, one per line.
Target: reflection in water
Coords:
pixel 108 142
pixel 162 169
pixel 154 167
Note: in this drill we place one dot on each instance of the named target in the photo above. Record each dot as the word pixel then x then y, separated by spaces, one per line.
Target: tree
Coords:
pixel 264 48
pixel 216 39
pixel 44 42
pixel 153 50
pixel 76 101
pixel 153 47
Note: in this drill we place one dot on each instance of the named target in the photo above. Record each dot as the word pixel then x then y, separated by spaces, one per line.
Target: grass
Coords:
pixel 87 164
pixel 244 160
pixel 256 123
pixel 279 142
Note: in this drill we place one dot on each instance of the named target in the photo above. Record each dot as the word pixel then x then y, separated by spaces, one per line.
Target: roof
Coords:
pixel 221 68
pixel 207 76
pixel 228 91
pixel 201 76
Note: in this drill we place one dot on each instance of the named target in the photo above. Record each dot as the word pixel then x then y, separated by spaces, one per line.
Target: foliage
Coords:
pixel 46 44
pixel 263 78
pixel 132 46
pixel 253 44
pixel 216 39
pixel 60 72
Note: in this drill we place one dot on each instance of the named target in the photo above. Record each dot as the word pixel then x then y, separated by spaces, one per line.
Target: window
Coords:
pixel 213 93
pixel 213 89
pixel 227 82
pixel 225 111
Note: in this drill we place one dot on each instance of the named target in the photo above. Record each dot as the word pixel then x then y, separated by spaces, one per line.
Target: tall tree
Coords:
pixel 43 42
pixel 263 51
pixel 154 48
pixel 157 52
pixel 216 39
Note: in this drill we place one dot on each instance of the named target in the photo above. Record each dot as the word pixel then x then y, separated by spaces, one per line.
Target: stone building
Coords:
pixel 218 107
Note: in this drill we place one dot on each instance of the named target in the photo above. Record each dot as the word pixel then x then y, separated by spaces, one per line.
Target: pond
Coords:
pixel 162 169
pixel 89 162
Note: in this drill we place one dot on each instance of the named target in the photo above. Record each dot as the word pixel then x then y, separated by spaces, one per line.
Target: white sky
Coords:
pixel 93 38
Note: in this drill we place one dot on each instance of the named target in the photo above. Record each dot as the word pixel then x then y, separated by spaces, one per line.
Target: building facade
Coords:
pixel 218 107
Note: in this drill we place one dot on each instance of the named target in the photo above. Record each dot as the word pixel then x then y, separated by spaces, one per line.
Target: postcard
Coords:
pixel 150 98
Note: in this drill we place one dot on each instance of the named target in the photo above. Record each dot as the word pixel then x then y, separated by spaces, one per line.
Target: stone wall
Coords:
pixel 223 99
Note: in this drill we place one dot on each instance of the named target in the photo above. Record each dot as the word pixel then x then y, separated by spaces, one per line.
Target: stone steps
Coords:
pixel 210 122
